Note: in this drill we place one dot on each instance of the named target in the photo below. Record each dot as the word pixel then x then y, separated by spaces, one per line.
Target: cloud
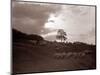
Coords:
pixel 30 17
pixel 77 21
pixel 44 19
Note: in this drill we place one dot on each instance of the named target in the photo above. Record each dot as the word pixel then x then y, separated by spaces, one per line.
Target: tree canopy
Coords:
pixel 61 35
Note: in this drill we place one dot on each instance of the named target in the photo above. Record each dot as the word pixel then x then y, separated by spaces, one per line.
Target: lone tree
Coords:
pixel 61 35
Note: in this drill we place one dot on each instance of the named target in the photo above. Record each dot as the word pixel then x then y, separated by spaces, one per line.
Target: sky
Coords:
pixel 45 19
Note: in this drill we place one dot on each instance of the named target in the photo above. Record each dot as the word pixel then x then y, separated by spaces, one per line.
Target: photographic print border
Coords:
pixel 58 4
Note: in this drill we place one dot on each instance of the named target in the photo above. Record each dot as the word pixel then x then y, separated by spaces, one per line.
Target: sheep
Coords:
pixel 60 55
pixel 69 54
pixel 75 54
pixel 81 54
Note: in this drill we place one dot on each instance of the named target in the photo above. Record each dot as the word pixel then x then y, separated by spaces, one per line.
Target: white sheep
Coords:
pixel 60 55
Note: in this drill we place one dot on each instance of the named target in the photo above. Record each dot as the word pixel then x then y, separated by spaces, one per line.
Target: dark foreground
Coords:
pixel 29 58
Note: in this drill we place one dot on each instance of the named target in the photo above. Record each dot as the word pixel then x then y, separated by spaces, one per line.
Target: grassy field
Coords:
pixel 52 56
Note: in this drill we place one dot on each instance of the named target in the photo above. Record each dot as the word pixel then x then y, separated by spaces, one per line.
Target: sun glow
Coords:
pixel 54 22
pixel 49 34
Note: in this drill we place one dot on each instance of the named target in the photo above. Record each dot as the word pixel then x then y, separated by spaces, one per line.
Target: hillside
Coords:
pixel 51 56
pixel 20 36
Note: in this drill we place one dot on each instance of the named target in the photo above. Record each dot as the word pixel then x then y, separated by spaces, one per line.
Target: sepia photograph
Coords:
pixel 52 37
